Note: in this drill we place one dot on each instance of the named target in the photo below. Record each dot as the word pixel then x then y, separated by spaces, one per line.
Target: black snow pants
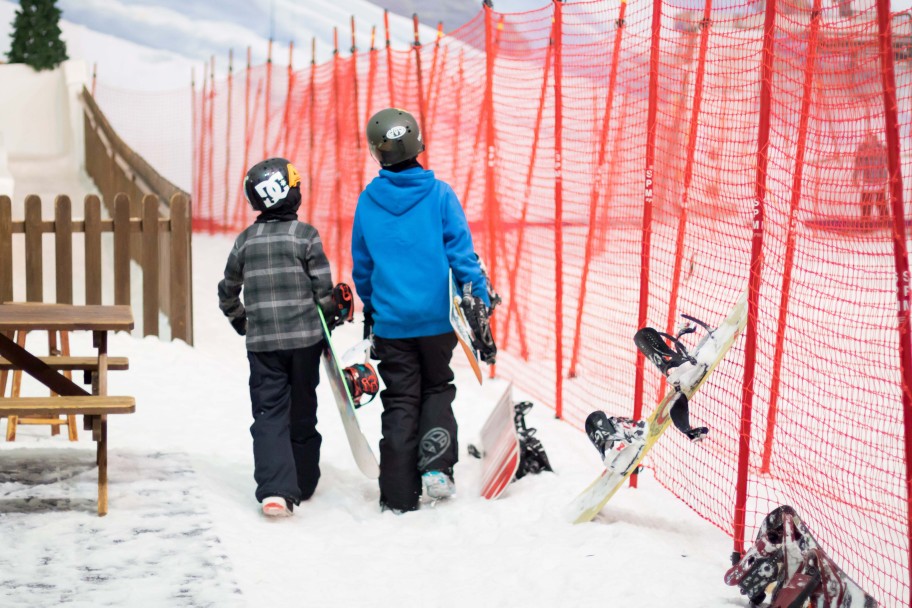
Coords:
pixel 286 444
pixel 418 425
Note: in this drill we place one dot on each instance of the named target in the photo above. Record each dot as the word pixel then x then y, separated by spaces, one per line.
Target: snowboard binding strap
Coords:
pixel 361 380
pixel 476 316
pixel 344 301
pixel 532 457
pixel 652 344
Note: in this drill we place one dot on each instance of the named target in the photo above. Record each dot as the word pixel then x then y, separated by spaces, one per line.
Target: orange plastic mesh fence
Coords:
pixel 546 139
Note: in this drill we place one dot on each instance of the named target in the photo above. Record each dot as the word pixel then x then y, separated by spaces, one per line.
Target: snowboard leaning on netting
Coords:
pixel 360 448
pixel 789 564
pixel 622 442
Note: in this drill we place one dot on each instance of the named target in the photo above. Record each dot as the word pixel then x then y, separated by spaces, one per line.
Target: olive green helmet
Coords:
pixel 393 136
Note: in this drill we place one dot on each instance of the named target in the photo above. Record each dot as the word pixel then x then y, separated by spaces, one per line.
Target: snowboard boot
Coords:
pixel 438 484
pixel 276 506
pixel 618 440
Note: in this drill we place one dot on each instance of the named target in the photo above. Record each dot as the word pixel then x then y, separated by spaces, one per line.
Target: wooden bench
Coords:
pixel 94 409
pixel 72 364
pixel 87 365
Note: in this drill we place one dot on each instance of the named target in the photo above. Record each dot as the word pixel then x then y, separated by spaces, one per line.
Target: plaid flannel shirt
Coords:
pixel 284 273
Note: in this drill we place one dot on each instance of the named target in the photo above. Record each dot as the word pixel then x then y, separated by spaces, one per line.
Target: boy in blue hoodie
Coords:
pixel 409 230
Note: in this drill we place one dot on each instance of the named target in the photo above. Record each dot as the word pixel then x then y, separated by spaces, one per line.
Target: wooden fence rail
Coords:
pixel 133 236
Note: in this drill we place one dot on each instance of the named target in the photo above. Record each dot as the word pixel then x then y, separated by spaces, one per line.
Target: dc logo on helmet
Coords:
pixel 273 189
pixel 396 132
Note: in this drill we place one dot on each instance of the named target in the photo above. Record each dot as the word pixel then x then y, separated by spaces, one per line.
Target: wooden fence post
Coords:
pixel 150 264
pixel 34 286
pixel 92 249
pixel 6 249
pixel 129 187
pixel 181 326
pixel 122 249
pixel 63 249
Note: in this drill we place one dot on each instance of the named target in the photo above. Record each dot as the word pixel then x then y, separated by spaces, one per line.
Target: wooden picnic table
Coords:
pixel 71 398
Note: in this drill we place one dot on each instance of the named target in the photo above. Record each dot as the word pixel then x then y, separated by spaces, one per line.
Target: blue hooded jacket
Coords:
pixel 409 230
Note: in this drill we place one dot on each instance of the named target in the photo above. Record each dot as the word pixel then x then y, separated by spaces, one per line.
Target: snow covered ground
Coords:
pixel 184 528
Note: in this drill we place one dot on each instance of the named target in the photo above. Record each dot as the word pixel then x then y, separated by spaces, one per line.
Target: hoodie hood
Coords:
pixel 397 193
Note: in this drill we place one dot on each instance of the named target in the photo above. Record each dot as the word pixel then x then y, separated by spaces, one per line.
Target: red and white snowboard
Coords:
pixel 500 448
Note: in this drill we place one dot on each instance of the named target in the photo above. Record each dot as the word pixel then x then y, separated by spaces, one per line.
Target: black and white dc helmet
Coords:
pixel 394 136
pixel 273 184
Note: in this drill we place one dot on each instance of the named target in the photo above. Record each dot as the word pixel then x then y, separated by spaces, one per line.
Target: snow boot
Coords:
pixel 438 484
pixel 276 506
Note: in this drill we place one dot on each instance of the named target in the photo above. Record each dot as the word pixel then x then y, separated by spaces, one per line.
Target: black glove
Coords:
pixel 240 325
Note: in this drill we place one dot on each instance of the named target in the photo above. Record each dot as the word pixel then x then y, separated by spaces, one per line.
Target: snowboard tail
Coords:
pixel 500 448
pixel 706 356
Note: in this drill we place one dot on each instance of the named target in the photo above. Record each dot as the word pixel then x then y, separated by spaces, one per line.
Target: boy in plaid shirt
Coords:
pixel 280 264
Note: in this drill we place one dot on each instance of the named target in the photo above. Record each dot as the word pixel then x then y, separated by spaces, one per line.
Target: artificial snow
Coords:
pixel 184 528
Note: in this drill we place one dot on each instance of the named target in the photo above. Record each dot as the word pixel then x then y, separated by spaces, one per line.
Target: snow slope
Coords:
pixel 141 45
pixel 184 528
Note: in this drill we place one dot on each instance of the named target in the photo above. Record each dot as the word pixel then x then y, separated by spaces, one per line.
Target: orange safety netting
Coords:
pixel 621 164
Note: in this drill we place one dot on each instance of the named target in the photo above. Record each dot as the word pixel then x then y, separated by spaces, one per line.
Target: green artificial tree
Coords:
pixel 36 35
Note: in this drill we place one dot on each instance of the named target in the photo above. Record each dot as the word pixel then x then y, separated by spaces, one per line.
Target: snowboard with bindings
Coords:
pixel 360 448
pixel 509 449
pixel 499 447
pixel 788 562
pixel 686 375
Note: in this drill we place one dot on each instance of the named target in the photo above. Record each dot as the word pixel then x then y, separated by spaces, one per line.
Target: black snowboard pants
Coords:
pixel 286 444
pixel 418 425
